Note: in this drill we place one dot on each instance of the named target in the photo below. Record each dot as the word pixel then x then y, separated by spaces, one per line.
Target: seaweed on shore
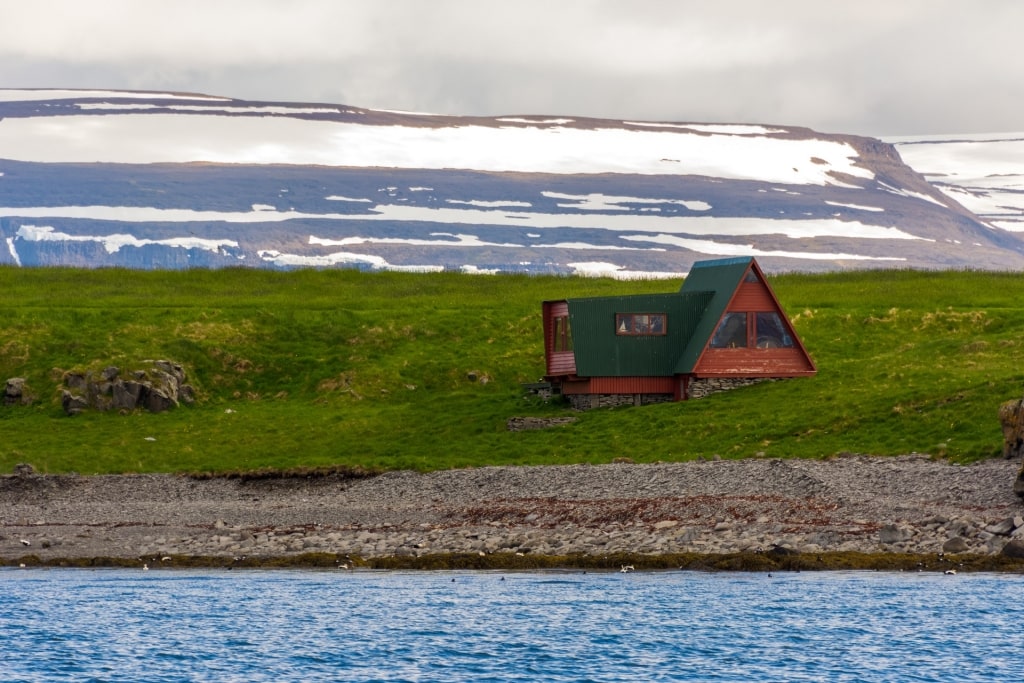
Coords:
pixel 335 472
pixel 712 562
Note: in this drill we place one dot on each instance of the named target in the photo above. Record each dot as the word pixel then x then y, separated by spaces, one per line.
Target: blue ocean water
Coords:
pixel 173 625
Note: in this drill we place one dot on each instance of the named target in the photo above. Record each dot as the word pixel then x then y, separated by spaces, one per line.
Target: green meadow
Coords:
pixel 346 369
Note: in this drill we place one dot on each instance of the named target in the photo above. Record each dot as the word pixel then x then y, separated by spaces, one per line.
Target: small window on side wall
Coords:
pixel 563 334
pixel 641 324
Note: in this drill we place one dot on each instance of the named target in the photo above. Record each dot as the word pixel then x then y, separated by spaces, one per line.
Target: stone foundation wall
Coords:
pixel 590 401
pixel 699 388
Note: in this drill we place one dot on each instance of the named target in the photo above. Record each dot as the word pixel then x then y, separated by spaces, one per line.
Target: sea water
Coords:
pixel 286 625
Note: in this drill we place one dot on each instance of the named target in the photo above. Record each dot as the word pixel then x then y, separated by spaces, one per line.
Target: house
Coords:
pixel 724 328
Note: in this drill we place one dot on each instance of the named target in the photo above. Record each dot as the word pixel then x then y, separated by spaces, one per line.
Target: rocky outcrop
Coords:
pixel 16 392
pixel 156 388
pixel 522 424
pixel 1011 415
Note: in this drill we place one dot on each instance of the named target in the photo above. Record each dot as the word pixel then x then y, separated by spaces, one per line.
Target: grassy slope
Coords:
pixel 318 368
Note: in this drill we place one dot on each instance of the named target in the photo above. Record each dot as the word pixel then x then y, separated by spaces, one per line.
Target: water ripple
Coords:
pixel 118 625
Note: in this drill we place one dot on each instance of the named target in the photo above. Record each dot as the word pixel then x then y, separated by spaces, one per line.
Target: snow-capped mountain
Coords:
pixel 162 180
pixel 984 173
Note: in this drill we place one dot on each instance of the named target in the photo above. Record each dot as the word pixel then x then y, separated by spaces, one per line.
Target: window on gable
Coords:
pixel 766 331
pixel 731 332
pixel 638 324
pixel 563 335
pixel 771 333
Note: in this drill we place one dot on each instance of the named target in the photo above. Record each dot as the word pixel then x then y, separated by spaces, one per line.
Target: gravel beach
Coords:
pixel 907 504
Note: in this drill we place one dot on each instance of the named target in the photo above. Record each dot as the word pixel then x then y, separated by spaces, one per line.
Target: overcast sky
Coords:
pixel 871 67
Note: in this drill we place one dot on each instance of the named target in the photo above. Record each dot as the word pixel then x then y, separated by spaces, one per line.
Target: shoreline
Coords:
pixel 851 512
pixel 509 562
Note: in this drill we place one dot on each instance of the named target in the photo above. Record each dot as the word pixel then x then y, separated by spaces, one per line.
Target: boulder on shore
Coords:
pixel 1014 548
pixel 1011 415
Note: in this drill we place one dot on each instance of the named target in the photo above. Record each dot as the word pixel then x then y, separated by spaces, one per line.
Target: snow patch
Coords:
pixel 602 269
pixel 538 121
pixel 601 202
pixel 722 249
pixel 473 270
pixel 113 243
pixel 225 109
pixel 173 138
pixel 716 128
pixel 496 204
pixel 795 228
pixel 339 258
pixel 859 207
pixel 339 198
pixel 454 240
pixel 14 252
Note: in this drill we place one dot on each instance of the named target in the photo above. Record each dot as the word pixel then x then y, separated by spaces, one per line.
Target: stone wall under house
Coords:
pixel 699 388
pixel 591 401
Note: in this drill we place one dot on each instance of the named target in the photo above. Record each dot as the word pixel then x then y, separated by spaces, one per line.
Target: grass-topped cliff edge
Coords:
pixel 336 368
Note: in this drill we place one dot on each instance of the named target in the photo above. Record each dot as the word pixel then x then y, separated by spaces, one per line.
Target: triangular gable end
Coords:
pixel 747 334
pixel 718 278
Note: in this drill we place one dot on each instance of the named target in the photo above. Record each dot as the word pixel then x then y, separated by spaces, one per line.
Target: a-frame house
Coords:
pixel 723 328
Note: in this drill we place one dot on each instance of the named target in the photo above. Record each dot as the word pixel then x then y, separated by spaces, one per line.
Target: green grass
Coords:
pixel 373 370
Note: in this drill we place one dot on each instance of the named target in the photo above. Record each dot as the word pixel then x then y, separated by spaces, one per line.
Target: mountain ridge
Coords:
pixel 151 180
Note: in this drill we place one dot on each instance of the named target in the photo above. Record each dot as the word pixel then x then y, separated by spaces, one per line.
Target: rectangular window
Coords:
pixel 731 332
pixel 563 335
pixel 636 324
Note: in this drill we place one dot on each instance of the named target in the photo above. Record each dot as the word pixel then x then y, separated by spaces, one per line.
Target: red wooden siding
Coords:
pixel 755 297
pixel 752 296
pixel 559 363
pixel 562 363
pixel 753 363
pixel 621 385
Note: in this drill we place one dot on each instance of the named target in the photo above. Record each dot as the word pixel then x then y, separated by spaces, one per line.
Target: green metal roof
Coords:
pixel 720 278
pixel 601 352
pixel 692 315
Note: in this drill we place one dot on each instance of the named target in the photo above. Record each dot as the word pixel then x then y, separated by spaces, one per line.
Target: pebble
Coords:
pixel 857 503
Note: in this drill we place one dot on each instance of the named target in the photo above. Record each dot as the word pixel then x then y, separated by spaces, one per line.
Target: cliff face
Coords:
pixel 160 181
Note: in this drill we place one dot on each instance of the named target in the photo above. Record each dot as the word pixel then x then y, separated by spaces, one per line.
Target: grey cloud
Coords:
pixel 873 67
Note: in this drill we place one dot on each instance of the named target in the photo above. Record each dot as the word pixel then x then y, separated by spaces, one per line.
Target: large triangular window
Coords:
pixel 764 330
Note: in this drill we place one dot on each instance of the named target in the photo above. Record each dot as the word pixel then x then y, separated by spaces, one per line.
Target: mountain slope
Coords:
pixel 156 180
